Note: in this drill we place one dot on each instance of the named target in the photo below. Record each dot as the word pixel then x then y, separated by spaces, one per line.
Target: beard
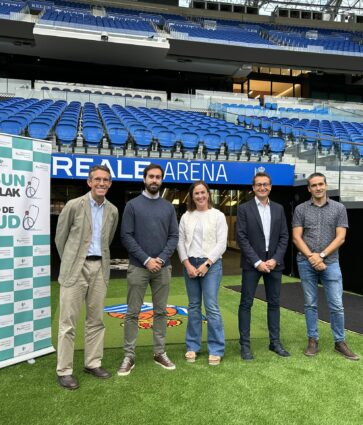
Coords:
pixel 152 188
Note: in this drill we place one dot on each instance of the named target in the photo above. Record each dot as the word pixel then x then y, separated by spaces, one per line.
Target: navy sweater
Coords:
pixel 149 229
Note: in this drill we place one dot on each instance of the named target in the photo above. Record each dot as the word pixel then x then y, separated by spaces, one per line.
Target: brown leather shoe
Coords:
pixel 68 382
pixel 98 372
pixel 164 361
pixel 312 348
pixel 126 366
pixel 343 349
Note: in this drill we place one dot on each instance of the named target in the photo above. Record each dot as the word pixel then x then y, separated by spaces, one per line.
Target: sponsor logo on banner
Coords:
pixel 22 155
pixel 41 271
pixel 23 328
pixel 6 275
pixel 20 262
pixel 6 163
pixel 23 240
pixel 42 168
pixel 42 334
pixel 41 250
pixel 6 141
pixel 42 147
pixel 6 297
pixel 7 252
pixel 21 284
pixel 41 292
pixel 23 349
pixel 25 305
pixel 6 343
pixel 6 320
pixel 41 313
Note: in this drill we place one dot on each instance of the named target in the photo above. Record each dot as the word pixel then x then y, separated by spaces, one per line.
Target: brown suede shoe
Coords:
pixel 312 348
pixel 343 349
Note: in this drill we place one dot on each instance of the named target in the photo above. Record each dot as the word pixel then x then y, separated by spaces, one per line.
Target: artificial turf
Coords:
pixel 323 390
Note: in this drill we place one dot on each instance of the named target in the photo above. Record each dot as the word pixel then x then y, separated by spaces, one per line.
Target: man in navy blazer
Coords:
pixel 262 235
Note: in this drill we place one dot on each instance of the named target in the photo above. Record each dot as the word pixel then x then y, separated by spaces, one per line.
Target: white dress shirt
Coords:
pixel 265 214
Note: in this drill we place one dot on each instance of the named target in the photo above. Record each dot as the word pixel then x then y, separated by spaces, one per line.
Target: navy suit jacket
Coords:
pixel 251 239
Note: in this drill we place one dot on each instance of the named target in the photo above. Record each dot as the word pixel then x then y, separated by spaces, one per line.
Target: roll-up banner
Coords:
pixel 25 316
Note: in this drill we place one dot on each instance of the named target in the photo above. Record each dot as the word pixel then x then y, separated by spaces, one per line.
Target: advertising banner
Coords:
pixel 25 316
pixel 65 166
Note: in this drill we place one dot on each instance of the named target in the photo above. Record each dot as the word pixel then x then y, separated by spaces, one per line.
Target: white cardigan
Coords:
pixel 215 232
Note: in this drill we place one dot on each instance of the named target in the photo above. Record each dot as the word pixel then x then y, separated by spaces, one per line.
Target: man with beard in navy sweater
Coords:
pixel 149 232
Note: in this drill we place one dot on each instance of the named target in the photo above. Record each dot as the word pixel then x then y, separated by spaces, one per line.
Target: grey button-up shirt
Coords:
pixel 319 225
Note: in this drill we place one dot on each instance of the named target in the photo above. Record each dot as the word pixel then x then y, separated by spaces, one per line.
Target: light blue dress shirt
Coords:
pixel 95 247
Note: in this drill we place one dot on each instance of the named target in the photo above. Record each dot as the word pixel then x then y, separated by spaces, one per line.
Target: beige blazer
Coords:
pixel 74 235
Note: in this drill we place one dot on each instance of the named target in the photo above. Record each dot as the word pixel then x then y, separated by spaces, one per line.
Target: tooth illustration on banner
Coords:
pixel 32 187
pixel 30 217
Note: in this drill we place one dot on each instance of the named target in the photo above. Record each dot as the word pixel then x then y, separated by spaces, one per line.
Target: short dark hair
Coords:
pixel 260 174
pixel 152 167
pixel 316 175
pixel 190 202
pixel 98 167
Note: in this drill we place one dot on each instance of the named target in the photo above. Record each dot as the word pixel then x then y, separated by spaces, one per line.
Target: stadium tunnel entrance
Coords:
pixel 225 198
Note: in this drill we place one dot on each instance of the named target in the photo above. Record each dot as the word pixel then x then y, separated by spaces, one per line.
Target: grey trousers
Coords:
pixel 138 278
pixel 91 289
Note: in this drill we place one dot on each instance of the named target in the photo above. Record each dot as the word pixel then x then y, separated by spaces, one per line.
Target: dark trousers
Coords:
pixel 272 283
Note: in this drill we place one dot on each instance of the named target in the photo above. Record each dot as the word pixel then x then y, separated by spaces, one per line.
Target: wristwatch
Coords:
pixel 207 265
pixel 322 255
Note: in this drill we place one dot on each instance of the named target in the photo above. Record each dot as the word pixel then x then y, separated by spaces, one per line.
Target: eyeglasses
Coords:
pixel 101 180
pixel 262 184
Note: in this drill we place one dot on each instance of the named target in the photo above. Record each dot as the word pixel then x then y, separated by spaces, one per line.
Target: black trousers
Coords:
pixel 272 283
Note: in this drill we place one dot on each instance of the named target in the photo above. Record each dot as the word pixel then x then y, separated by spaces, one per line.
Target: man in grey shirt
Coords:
pixel 319 229
pixel 149 232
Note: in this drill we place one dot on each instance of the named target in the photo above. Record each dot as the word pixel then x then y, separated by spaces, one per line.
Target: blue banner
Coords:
pixel 127 169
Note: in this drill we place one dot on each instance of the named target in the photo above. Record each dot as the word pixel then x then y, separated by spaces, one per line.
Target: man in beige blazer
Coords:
pixel 85 229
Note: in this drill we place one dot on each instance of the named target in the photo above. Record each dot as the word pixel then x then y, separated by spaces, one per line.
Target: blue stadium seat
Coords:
pixel 255 147
pixel 166 140
pixel 189 141
pixel 212 143
pixel 142 138
pixel 234 144
pixel 276 148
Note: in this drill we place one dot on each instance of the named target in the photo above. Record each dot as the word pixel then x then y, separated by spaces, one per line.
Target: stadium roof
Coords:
pixel 329 7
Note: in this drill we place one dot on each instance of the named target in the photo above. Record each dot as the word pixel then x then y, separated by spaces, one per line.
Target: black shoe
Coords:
pixel 68 382
pixel 246 353
pixel 277 348
pixel 98 372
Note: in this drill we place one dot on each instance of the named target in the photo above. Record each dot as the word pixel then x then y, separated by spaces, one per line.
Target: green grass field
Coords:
pixel 326 389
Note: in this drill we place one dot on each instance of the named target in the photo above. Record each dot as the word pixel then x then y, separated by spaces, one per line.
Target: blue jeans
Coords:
pixel 332 282
pixel 207 288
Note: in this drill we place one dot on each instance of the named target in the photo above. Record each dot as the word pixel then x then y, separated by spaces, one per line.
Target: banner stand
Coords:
pixel 26 357
pixel 25 303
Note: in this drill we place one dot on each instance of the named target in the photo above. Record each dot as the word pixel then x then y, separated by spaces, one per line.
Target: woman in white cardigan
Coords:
pixel 202 242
